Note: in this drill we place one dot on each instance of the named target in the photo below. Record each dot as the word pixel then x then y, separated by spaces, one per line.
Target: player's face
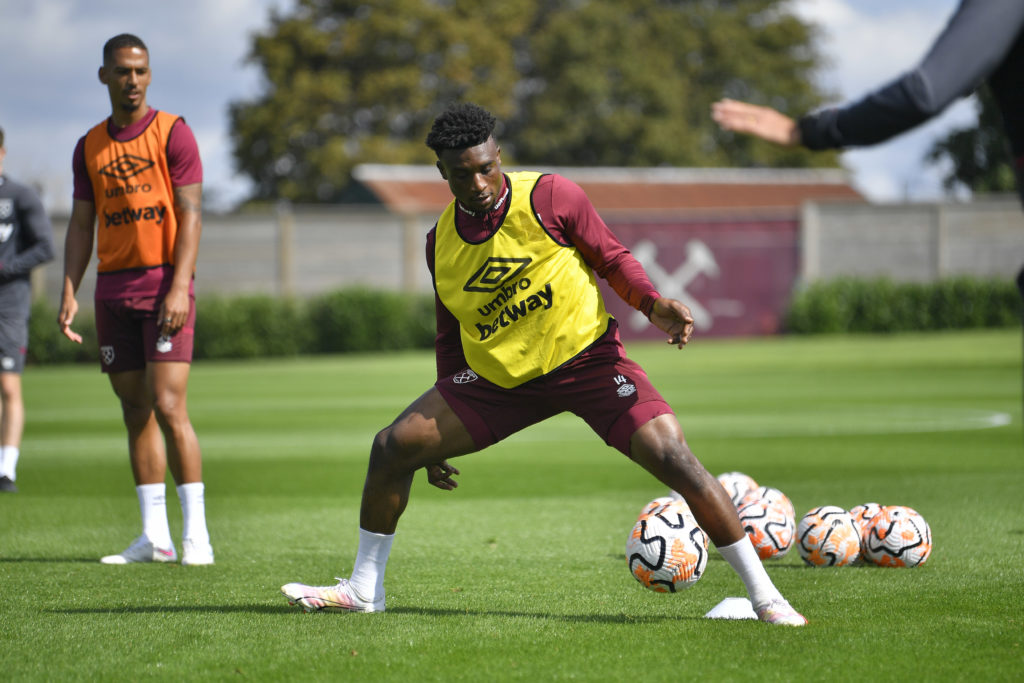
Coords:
pixel 127 77
pixel 473 174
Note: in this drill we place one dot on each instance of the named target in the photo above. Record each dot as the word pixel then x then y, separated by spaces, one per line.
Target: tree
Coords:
pixel 605 82
pixel 631 82
pixel 979 156
pixel 350 81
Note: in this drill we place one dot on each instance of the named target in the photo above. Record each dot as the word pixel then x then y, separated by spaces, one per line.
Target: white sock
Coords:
pixel 9 462
pixel 153 505
pixel 742 557
pixel 193 512
pixel 371 560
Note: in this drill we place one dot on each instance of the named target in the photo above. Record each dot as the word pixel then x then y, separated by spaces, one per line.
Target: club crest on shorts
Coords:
pixel 626 388
pixel 6 208
pixel 107 354
pixel 464 376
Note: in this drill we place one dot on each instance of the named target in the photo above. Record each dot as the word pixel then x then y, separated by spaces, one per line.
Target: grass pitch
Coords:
pixel 520 573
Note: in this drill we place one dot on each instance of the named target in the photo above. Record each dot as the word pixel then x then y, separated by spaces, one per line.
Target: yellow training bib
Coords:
pixel 525 303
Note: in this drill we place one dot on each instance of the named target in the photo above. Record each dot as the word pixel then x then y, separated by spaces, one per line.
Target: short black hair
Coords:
pixel 460 126
pixel 119 41
pixel 1 137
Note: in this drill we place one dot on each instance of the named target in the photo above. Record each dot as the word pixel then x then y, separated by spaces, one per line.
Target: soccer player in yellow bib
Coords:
pixel 522 335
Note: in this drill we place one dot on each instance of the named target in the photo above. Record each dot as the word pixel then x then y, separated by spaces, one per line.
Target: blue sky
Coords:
pixel 49 94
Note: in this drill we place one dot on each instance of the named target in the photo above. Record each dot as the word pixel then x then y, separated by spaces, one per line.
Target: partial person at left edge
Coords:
pixel 139 173
pixel 26 241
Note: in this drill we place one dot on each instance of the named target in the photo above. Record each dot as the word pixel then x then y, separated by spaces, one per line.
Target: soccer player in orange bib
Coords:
pixel 139 173
pixel 522 335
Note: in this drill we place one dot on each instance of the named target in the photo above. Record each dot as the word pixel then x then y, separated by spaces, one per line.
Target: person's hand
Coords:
pixel 751 119
pixel 66 316
pixel 674 318
pixel 174 311
pixel 440 475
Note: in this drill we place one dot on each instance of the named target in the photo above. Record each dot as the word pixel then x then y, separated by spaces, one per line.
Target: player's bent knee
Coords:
pixel 399 446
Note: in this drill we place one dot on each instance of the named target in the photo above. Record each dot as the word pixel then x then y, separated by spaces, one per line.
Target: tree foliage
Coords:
pixel 979 157
pixel 580 82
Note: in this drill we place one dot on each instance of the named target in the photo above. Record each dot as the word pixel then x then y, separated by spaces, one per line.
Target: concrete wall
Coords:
pixel 299 251
pixel 912 242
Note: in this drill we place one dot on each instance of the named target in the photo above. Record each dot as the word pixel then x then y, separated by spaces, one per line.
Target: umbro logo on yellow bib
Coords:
pixel 496 271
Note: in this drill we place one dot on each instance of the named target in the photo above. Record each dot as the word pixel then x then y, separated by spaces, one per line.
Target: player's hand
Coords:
pixel 66 316
pixel 440 475
pixel 174 311
pixel 674 318
pixel 751 119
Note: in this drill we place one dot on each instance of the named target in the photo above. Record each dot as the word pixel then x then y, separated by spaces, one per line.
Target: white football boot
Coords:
pixel 196 553
pixel 780 613
pixel 339 598
pixel 142 550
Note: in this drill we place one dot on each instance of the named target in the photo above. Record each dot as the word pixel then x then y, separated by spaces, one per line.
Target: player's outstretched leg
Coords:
pixel 659 447
pixel 425 434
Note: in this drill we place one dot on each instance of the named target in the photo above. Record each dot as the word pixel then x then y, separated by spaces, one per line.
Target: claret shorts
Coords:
pixel 128 333
pixel 609 391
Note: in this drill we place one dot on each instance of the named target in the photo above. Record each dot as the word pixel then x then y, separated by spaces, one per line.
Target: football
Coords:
pixel 863 513
pixel 659 502
pixel 828 537
pixel 666 550
pixel 770 526
pixel 898 536
pixel 768 494
pixel 736 484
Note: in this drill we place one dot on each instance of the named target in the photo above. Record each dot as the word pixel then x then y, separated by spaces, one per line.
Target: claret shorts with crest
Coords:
pixel 604 387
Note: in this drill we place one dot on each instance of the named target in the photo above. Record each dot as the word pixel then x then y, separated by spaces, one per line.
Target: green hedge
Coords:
pixel 365 320
pixel 261 326
pixel 47 344
pixel 880 305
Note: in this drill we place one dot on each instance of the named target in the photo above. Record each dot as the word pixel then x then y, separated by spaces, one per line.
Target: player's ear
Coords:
pixel 440 167
pixel 101 73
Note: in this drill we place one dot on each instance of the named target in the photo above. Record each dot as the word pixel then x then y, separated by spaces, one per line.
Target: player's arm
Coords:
pixel 448 353
pixel 974 43
pixel 188 208
pixel 37 233
pixel 186 170
pixel 570 219
pixel 579 222
pixel 77 252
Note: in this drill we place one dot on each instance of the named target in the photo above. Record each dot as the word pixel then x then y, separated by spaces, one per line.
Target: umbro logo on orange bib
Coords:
pixel 126 166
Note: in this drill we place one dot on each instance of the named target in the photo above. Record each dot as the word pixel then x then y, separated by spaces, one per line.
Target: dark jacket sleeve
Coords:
pixel 975 42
